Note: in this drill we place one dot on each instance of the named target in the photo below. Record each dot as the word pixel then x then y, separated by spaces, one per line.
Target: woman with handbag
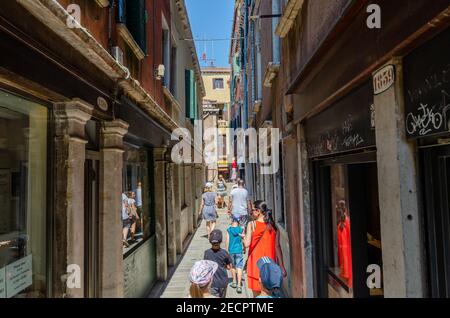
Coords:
pixel 262 239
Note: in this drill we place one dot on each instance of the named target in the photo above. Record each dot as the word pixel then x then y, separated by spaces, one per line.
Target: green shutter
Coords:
pixel 187 91
pixel 136 22
pixel 195 101
pixel 189 94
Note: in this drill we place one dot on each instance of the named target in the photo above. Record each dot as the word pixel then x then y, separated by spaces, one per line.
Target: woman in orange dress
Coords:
pixel 261 239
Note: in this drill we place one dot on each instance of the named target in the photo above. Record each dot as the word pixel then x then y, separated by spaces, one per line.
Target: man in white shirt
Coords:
pixel 239 204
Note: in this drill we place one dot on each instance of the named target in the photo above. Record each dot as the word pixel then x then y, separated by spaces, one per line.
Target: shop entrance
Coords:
pixel 91 210
pixel 347 226
pixel 436 167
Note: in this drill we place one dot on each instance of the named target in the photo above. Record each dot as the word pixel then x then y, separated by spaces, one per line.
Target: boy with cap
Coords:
pixel 223 259
pixel 234 246
pixel 270 277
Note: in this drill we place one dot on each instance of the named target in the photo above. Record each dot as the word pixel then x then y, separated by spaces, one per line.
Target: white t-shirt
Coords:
pixel 124 209
pixel 240 199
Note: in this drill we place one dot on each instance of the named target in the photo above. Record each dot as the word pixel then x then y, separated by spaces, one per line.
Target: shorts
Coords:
pixel 237 260
pixel 126 223
pixel 218 292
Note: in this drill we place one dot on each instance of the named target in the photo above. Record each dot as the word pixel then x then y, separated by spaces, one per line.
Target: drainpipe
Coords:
pixel 246 29
pixel 111 12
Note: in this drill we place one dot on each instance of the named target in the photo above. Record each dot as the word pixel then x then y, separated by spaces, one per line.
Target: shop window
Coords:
pixel 23 184
pixel 137 202
pixel 341 262
pixel 348 199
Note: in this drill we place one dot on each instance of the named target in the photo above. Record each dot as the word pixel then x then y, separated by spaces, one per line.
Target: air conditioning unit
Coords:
pixel 117 53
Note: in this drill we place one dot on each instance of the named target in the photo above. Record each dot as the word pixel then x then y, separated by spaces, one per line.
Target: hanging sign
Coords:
pixel 383 79
pixel 19 275
pixel 345 126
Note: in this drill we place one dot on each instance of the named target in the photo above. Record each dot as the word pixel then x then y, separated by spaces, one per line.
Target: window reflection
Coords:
pixel 136 205
pixel 342 247
pixel 23 154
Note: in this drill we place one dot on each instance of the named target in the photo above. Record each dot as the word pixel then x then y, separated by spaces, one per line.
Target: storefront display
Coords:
pixel 137 216
pixel 347 215
pixel 427 108
pixel 23 197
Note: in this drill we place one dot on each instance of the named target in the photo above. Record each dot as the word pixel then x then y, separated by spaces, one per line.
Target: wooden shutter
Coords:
pixel 121 11
pixel 190 94
pixel 195 100
pixel 136 22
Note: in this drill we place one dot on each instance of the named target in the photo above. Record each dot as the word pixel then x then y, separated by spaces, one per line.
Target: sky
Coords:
pixel 212 19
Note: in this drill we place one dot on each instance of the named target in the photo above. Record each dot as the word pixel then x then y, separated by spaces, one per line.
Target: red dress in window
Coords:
pixel 345 250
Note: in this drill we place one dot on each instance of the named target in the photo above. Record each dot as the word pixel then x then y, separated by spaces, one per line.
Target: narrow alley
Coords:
pixel 121 119
pixel 178 286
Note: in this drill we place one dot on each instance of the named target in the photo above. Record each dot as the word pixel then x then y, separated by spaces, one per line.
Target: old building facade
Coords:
pixel 216 119
pixel 359 92
pixel 91 92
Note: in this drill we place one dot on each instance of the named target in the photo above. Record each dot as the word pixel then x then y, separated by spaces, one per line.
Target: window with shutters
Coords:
pixel 133 14
pixel 218 83
pixel 191 95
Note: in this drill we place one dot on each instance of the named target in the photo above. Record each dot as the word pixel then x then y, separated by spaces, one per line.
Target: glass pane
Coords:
pixel 23 155
pixel 341 265
pixel 136 205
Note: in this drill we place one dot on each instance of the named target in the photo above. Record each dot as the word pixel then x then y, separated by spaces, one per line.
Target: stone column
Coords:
pixel 160 213
pixel 195 206
pixel 188 195
pixel 403 266
pixel 170 208
pixel 304 190
pixel 177 208
pixel 70 120
pixel 111 279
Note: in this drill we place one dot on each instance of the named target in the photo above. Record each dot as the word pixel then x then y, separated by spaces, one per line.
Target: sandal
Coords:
pixel 239 290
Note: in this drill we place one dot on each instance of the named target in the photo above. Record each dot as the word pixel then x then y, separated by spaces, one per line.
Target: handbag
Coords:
pixel 259 240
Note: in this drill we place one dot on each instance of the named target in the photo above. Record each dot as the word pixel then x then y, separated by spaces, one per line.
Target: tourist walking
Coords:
pixel 233 170
pixel 126 220
pixel 262 239
pixel 239 204
pixel 208 208
pixel 223 259
pixel 221 192
pixel 270 278
pixel 201 277
pixel 236 251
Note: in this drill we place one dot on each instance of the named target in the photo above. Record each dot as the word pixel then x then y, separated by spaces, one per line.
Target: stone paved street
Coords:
pixel 178 286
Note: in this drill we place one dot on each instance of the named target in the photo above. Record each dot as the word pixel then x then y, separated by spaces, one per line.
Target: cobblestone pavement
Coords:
pixel 178 286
